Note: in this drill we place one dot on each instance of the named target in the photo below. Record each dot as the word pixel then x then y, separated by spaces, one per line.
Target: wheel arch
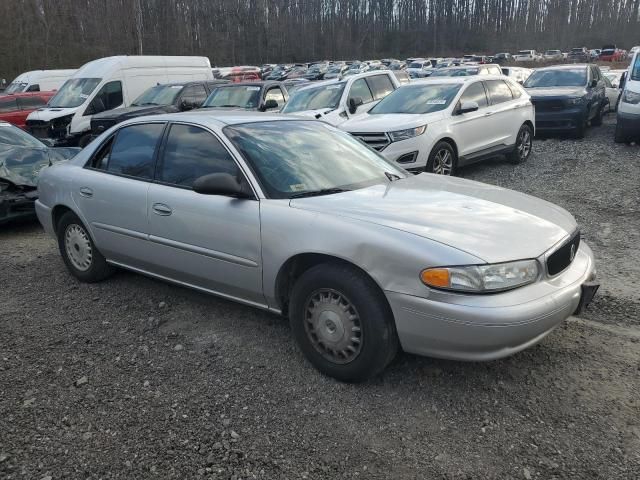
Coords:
pixel 300 263
pixel 57 213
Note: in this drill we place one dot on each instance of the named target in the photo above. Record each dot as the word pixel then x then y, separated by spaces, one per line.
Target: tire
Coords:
pixel 320 301
pixel 580 130
pixel 523 147
pixel 442 160
pixel 620 135
pixel 88 265
pixel 597 120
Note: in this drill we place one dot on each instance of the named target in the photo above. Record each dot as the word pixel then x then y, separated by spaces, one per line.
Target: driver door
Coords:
pixel 359 89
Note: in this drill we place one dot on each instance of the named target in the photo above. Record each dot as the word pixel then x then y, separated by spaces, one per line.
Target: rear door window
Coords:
pixel 191 152
pixel 133 150
pixel 380 86
pixel 110 95
pixel 499 92
pixel 360 89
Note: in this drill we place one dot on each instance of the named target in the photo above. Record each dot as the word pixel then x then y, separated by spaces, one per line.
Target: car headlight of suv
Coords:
pixel 399 135
pixel 575 101
pixel 490 278
pixel 631 97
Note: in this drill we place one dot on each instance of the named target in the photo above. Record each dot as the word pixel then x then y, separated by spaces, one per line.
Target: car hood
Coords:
pixel 555 92
pixel 389 122
pixel 133 112
pixel 48 114
pixel 21 166
pixel 488 222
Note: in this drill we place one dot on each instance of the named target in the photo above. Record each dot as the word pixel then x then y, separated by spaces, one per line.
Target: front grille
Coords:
pixel 377 141
pixel 562 258
pixel 549 105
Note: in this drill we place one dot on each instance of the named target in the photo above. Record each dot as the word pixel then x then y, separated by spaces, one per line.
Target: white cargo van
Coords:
pixel 39 81
pixel 628 119
pixel 105 84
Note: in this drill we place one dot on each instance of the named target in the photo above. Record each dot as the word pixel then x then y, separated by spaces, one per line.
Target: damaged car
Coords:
pixel 22 157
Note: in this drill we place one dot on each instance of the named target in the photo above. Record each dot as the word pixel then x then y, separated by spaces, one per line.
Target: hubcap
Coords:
pixel 443 162
pixel 78 247
pixel 333 326
pixel 524 144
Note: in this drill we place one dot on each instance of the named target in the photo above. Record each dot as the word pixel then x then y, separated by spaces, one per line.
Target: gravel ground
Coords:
pixel 134 378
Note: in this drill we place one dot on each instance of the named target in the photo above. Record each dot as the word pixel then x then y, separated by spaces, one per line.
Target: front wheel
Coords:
pixel 78 251
pixel 524 145
pixel 442 159
pixel 621 136
pixel 342 322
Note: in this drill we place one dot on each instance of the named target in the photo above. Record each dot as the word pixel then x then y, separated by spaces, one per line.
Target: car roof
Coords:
pixel 454 80
pixel 572 66
pixel 46 93
pixel 217 118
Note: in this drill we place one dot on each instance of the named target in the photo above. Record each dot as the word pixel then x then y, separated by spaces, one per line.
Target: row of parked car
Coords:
pixel 438 124
pixel 608 53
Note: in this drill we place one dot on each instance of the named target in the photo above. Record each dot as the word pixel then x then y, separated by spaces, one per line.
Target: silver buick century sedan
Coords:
pixel 299 218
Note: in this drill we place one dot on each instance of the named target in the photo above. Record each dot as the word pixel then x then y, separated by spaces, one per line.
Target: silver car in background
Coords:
pixel 299 218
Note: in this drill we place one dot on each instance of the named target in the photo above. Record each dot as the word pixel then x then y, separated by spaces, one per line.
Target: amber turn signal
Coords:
pixel 436 277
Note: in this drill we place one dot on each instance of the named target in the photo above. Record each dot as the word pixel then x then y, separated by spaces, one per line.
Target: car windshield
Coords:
pixel 574 77
pixel 576 50
pixel 635 71
pixel 415 65
pixel 10 135
pixel 158 95
pixel 304 158
pixel 237 96
pixel 74 92
pixel 16 87
pixel 354 66
pixel 455 72
pixel 417 99
pixel 314 98
pixel 335 69
pixel 608 51
pixel 524 52
pixel 552 52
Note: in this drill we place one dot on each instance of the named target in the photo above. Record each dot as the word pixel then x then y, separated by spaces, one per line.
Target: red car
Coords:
pixel 610 53
pixel 16 107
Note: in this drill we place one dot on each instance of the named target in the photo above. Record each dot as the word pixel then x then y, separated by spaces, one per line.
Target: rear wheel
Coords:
pixel 524 145
pixel 442 160
pixel 342 322
pixel 80 255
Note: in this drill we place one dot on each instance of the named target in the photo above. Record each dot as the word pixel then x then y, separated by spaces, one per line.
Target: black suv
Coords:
pixel 567 97
pixel 167 98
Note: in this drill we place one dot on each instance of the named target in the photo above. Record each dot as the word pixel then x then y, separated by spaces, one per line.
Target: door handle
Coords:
pixel 488 114
pixel 86 192
pixel 162 209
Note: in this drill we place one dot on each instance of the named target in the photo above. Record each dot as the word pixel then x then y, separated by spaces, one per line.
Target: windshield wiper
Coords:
pixel 317 193
pixel 392 176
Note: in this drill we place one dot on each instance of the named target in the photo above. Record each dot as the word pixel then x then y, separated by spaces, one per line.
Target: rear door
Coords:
pixel 207 241
pixel 502 118
pixel 111 192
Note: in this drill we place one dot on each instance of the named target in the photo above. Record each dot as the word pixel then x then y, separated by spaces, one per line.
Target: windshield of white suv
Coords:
pixel 300 158
pixel 574 77
pixel 234 96
pixel 415 65
pixel 74 92
pixel 635 71
pixel 314 98
pixel 158 95
pixel 417 99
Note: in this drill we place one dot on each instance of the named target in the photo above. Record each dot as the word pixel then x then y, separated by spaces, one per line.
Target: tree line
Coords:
pixel 67 33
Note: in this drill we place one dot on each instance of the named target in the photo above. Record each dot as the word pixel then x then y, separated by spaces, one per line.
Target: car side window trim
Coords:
pixel 112 139
pixel 159 160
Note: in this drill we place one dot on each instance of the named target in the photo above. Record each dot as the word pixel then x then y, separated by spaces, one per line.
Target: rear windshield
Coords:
pixel 575 77
pixel 158 95
pixel 234 96
pixel 415 65
pixel 16 87
pixel 417 99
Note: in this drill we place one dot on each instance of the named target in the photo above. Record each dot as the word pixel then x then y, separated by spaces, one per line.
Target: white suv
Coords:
pixel 440 124
pixel 336 101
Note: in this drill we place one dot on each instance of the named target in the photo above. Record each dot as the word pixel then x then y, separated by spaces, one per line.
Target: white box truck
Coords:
pixel 105 84
pixel 628 118
pixel 39 81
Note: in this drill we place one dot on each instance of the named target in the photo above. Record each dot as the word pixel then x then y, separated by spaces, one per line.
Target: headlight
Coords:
pixel 631 97
pixel 408 133
pixel 482 278
pixel 575 101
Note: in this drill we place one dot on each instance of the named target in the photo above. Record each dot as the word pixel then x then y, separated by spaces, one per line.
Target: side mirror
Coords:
pixel 269 105
pixel 468 107
pixel 354 103
pixel 186 104
pixel 220 184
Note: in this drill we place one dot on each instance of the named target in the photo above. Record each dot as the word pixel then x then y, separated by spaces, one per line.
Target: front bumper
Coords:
pixel 15 206
pixel 628 122
pixel 568 119
pixel 488 327
pixel 410 154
